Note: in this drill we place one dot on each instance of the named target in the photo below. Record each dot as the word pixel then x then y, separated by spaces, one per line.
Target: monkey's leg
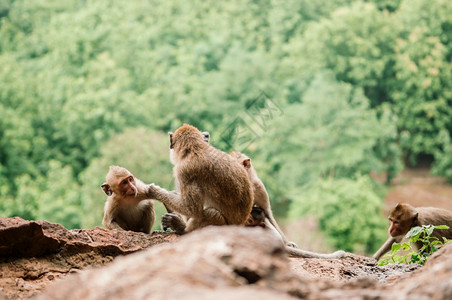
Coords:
pixel 210 216
pixel 173 221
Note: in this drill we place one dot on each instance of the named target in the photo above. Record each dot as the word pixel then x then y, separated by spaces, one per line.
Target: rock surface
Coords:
pixel 50 262
pixel 33 254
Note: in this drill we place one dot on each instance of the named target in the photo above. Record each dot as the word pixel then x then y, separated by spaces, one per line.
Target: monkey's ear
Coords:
pixel 170 140
pixel 415 216
pixel 106 188
pixel 206 136
pixel 246 163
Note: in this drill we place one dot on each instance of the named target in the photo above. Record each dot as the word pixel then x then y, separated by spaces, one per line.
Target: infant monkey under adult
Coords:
pixel 128 207
pixel 257 218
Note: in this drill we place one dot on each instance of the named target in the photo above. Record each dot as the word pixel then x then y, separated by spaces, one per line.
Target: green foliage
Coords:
pixel 355 43
pixel 55 198
pixel 421 88
pixel 430 244
pixel 331 133
pixel 348 211
pixel 443 159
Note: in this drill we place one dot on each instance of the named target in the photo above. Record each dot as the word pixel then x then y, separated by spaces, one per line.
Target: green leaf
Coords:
pixel 442 227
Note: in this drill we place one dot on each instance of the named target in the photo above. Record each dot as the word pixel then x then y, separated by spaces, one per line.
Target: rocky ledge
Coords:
pixel 46 261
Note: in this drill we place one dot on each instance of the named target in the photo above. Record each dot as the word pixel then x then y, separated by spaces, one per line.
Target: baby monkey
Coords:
pixel 257 218
pixel 128 206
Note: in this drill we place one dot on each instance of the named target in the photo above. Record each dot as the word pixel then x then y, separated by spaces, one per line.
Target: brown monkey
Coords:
pixel 206 138
pixel 211 187
pixel 257 218
pixel 128 207
pixel 404 216
pixel 260 193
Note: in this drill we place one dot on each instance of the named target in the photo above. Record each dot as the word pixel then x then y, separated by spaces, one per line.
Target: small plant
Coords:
pixel 430 244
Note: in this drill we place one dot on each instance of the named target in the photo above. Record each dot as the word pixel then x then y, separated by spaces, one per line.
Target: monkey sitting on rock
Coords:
pixel 211 187
pixel 128 206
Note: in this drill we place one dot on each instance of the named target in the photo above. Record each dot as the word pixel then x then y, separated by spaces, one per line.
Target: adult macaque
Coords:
pixel 211 187
pixel 128 207
pixel 261 198
pixel 206 138
pixel 403 217
pixel 257 218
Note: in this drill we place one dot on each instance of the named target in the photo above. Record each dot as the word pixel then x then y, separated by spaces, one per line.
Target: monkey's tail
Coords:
pixel 293 252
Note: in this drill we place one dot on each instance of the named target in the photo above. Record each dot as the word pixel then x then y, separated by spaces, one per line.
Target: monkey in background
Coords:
pixel 128 206
pixel 211 187
pixel 261 198
pixel 257 217
pixel 403 217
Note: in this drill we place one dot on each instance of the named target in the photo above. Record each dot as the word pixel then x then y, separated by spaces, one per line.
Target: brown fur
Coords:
pixel 403 217
pixel 211 187
pixel 261 198
pixel 127 207
pixel 257 218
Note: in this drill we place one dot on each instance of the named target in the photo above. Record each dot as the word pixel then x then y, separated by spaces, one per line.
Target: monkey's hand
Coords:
pixel 174 222
pixel 152 191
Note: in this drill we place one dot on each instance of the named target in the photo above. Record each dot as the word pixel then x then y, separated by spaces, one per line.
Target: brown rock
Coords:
pixel 34 254
pixel 220 262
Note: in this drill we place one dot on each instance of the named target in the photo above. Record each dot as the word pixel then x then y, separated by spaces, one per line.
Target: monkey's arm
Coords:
pixel 142 190
pixel 110 221
pixel 172 200
pixel 111 224
pixel 386 247
pixel 148 218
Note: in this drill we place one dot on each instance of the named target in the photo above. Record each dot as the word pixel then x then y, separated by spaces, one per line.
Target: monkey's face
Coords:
pixel 402 217
pixel 256 217
pixel 399 226
pixel 251 221
pixel 127 187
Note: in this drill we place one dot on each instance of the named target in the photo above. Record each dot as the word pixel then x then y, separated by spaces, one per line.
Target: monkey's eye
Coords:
pixel 124 182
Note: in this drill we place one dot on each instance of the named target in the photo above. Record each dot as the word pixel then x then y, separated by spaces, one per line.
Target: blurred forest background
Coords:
pixel 321 94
